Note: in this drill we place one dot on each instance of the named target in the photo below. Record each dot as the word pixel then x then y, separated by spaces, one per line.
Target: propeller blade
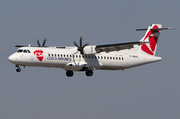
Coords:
pixel 85 45
pixel 38 42
pixel 81 41
pixel 75 44
pixel 75 52
pixel 80 47
pixel 44 42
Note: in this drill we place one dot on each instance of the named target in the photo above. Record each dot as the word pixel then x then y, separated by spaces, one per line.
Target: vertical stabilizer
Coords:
pixel 151 36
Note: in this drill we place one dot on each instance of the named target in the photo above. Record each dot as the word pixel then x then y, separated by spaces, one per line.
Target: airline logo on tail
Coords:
pixel 152 41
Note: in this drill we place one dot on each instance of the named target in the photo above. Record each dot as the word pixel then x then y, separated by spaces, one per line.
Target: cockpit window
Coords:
pixel 20 50
pixel 23 50
pixel 28 51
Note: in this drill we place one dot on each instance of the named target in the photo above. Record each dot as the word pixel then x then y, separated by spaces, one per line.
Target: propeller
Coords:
pixel 43 42
pixel 80 47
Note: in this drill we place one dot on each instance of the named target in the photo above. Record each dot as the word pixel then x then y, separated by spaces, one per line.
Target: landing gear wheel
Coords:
pixel 89 73
pixel 69 73
pixel 18 70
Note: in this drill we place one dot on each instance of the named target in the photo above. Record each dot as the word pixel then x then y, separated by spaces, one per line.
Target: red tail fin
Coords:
pixel 151 36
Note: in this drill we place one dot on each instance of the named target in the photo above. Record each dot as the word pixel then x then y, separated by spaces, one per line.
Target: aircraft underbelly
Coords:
pixel 112 65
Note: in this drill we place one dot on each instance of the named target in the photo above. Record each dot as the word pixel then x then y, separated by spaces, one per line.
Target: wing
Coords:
pixel 117 47
pixel 38 46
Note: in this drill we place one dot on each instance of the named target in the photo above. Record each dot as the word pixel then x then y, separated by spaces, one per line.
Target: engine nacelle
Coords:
pixel 90 49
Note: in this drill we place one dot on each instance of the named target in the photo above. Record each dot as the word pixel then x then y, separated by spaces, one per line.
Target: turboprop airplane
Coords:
pixel 88 58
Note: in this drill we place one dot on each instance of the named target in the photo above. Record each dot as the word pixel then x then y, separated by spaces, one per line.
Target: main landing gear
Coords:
pixel 71 73
pixel 89 73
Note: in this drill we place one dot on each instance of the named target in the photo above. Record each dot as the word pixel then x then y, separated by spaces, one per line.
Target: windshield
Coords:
pixel 23 50
pixel 20 50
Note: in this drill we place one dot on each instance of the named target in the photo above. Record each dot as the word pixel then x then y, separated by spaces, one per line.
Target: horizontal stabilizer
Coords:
pixel 156 29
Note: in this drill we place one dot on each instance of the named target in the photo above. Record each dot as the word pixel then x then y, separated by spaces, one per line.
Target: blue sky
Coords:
pixel 149 91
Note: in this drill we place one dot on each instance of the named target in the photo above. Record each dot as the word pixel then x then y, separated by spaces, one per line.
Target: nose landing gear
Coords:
pixel 18 68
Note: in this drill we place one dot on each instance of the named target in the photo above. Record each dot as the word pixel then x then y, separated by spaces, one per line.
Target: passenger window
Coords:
pixel 110 57
pixel 107 57
pixel 104 57
pixel 119 58
pixel 64 55
pixel 95 57
pixel 92 57
pixel 122 58
pixel 52 55
pixel 101 57
pixel 76 56
pixel 98 57
pixel 67 56
pixel 113 58
pixel 79 56
pixel 83 56
pixel 89 57
pixel 116 58
pixel 58 55
pixel 49 55
pixel 61 55
pixel 70 55
pixel 55 55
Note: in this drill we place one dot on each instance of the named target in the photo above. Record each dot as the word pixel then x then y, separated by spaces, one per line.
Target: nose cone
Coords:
pixel 12 58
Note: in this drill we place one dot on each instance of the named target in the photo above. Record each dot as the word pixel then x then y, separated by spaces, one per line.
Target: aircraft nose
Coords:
pixel 12 58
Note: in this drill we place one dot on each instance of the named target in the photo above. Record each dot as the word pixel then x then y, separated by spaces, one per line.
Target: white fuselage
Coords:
pixel 67 59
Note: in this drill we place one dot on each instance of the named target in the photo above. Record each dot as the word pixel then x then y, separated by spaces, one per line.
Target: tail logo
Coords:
pixel 39 54
pixel 152 41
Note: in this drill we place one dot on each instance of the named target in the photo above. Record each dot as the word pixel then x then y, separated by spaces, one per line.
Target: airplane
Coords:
pixel 88 57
